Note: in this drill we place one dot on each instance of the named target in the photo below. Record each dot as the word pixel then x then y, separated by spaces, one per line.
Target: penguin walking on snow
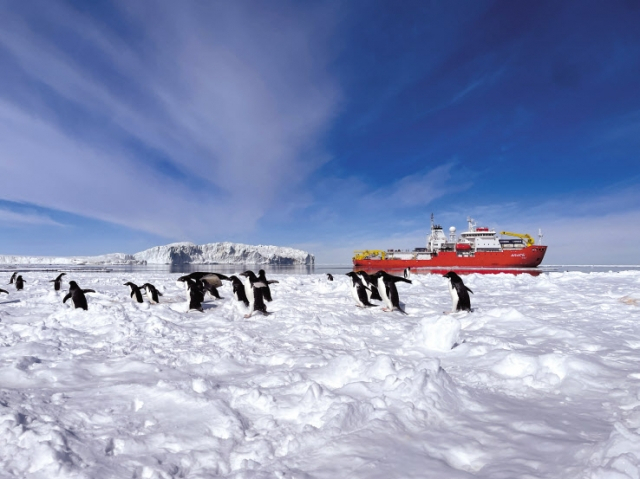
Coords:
pixel 135 291
pixel 13 277
pixel 196 294
pixel 20 283
pixel 359 291
pixel 254 290
pixel 77 295
pixel 210 282
pixel 372 290
pixel 262 277
pixel 238 290
pixel 56 282
pixel 459 293
pixel 388 291
pixel 152 293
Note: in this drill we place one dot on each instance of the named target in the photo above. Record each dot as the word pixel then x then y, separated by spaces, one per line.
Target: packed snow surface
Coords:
pixel 182 253
pixel 542 380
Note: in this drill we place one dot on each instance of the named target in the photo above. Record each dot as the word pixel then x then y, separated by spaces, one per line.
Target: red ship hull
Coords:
pixel 520 258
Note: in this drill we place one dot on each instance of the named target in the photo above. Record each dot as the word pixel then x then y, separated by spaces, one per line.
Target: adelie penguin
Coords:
pixel 359 290
pixel 56 282
pixel 370 283
pixel 254 290
pixel 238 290
pixel 210 281
pixel 329 276
pixel 262 276
pixel 77 295
pixel 152 293
pixel 196 294
pixel 135 291
pixel 388 290
pixel 13 277
pixel 459 293
pixel 19 283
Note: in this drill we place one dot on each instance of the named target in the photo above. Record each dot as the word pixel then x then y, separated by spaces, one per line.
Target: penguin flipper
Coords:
pixel 66 297
pixel 3 291
pixel 88 291
pixel 468 289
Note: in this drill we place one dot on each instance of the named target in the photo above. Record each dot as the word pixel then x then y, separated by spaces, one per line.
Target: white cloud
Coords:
pixel 15 218
pixel 234 94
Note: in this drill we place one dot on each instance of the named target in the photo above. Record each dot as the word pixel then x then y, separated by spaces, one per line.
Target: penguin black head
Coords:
pixel 453 276
pixel 249 274
pixel 73 285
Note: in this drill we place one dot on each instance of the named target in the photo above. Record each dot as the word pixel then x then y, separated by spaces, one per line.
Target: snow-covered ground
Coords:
pixel 541 381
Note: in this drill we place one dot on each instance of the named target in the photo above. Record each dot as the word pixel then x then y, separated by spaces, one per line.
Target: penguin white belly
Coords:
pixel 382 289
pixel 354 293
pixel 248 290
pixel 454 297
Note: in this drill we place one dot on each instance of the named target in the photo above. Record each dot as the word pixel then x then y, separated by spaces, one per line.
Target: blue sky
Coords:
pixel 328 126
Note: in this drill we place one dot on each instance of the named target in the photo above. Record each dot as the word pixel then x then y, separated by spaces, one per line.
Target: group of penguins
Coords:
pixel 255 290
pixel 381 286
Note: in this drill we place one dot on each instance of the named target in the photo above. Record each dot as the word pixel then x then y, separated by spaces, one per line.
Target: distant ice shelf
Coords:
pixel 182 253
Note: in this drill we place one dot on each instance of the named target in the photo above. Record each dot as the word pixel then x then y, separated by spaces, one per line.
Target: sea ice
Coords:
pixel 541 380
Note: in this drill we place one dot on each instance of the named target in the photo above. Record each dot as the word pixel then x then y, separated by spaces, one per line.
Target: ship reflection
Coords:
pixel 441 271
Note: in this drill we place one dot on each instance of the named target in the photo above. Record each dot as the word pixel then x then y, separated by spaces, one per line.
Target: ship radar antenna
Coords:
pixel 472 223
pixel 540 235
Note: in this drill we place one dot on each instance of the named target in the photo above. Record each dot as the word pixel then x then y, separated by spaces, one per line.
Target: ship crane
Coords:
pixel 530 240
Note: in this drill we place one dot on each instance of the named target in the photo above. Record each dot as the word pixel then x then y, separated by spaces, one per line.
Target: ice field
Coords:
pixel 542 380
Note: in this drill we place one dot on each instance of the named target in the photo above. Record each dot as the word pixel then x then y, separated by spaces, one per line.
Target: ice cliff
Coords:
pixel 223 253
pixel 183 253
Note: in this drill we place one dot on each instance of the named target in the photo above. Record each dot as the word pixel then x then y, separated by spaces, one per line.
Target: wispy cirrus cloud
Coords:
pixel 17 218
pixel 189 121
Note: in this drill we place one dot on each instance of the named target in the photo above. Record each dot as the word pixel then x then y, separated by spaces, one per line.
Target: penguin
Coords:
pixel 254 290
pixel 459 293
pixel 196 295
pixel 3 291
pixel 77 295
pixel 262 276
pixel 359 290
pixel 210 281
pixel 238 290
pixel 407 273
pixel 329 276
pixel 19 283
pixel 13 277
pixel 388 290
pixel 135 290
pixel 370 284
pixel 56 282
pixel 152 293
